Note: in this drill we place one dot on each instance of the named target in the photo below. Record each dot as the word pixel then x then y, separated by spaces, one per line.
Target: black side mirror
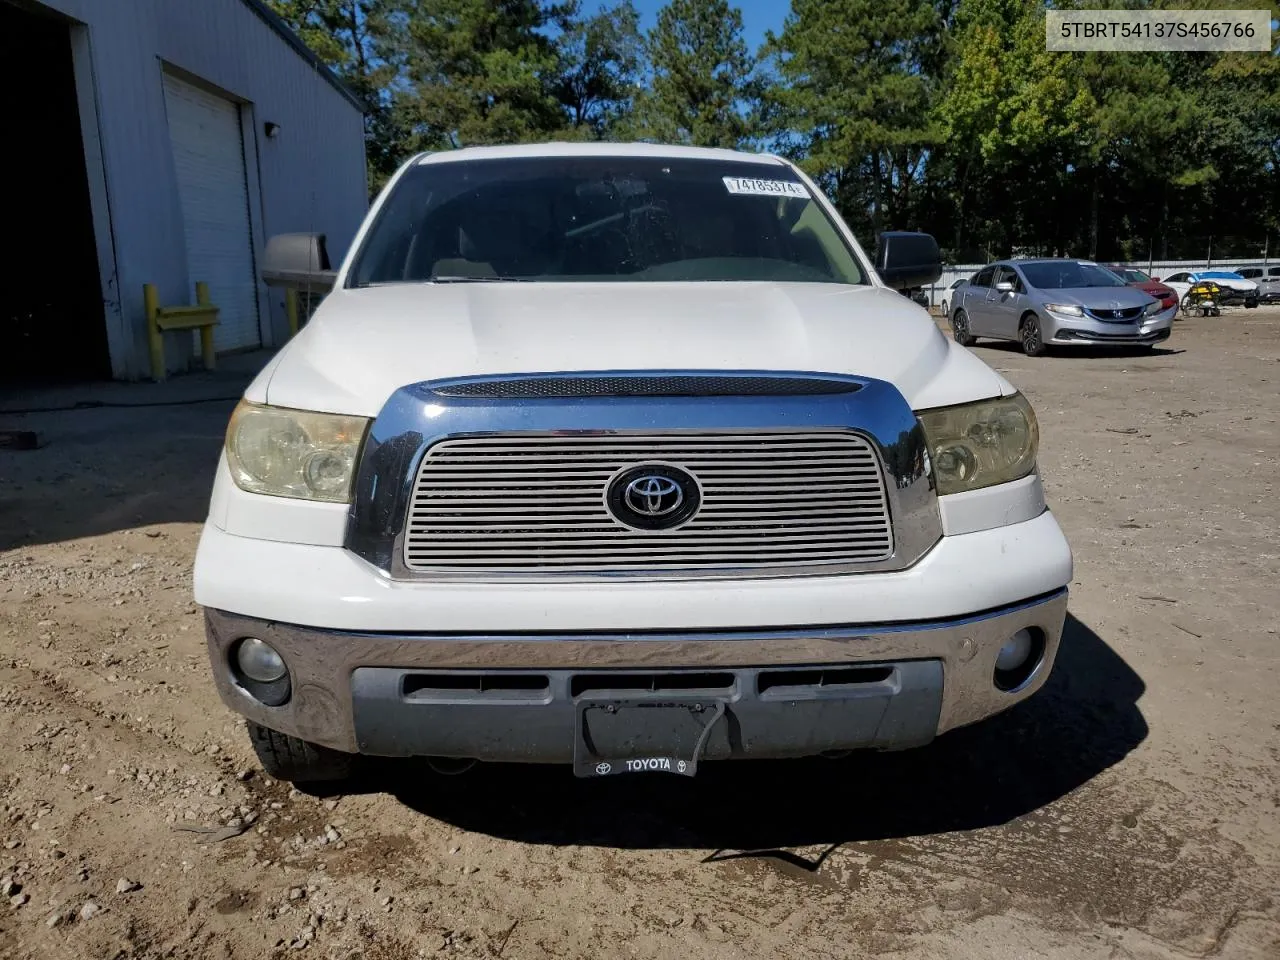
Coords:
pixel 299 261
pixel 906 260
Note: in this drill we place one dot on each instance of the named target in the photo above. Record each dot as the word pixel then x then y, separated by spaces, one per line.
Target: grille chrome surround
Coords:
pixel 1118 315
pixel 534 504
pixel 419 416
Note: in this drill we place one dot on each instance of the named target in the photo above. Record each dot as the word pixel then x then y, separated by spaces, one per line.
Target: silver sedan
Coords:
pixel 1044 303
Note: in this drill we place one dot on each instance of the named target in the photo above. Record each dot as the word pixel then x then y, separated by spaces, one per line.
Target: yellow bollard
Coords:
pixel 202 316
pixel 155 339
pixel 206 332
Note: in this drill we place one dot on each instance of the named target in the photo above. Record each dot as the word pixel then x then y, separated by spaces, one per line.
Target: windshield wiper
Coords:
pixel 482 280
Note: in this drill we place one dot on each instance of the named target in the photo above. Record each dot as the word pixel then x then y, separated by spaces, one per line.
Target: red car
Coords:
pixel 1167 296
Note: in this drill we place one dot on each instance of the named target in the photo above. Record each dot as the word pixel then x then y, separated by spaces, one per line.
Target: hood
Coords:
pixel 1098 298
pixel 364 344
pixel 1155 288
pixel 1231 283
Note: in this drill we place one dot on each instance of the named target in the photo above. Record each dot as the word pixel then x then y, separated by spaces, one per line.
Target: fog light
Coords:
pixel 1019 659
pixel 259 661
pixel 1015 652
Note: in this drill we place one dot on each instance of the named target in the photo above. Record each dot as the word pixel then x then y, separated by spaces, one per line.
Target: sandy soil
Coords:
pixel 1130 810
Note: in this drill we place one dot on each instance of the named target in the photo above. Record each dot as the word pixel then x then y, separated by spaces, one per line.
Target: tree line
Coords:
pixel 940 115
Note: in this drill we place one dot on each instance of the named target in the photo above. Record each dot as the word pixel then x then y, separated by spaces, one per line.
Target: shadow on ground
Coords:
pixel 1089 353
pixel 114 456
pixel 1084 721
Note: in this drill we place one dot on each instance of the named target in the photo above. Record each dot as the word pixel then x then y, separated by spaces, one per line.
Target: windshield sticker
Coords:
pixel 751 187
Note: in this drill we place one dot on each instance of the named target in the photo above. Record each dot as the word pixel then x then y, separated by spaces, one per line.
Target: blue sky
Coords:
pixel 757 16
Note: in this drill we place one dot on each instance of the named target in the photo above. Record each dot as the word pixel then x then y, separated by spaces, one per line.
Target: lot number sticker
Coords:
pixel 749 186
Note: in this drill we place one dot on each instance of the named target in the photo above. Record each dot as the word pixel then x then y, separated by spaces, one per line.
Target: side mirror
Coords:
pixel 1004 286
pixel 298 261
pixel 906 260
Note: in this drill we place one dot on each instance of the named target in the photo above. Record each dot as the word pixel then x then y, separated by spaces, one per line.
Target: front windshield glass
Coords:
pixel 602 219
pixel 1134 276
pixel 1069 274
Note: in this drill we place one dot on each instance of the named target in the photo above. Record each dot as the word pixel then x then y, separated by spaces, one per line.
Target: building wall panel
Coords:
pixel 310 177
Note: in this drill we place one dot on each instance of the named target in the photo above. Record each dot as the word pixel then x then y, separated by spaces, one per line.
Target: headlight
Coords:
pixel 1066 309
pixel 1153 308
pixel 980 444
pixel 293 453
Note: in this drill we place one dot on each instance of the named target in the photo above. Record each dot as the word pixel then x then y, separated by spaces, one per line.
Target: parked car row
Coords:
pixel 1065 302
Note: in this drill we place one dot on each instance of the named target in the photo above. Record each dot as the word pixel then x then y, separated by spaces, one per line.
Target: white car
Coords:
pixel 1268 280
pixel 949 295
pixel 624 457
pixel 1239 289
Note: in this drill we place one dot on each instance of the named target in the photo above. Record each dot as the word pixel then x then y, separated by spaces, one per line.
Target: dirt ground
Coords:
pixel 1129 810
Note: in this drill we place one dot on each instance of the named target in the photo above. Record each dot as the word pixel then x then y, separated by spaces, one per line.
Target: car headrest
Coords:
pixel 511 237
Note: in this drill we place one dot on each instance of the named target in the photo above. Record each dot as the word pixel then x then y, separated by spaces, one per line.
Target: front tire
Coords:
pixel 298 761
pixel 1032 337
pixel 960 329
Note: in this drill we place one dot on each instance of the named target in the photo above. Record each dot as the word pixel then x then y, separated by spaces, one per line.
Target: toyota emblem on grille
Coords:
pixel 653 496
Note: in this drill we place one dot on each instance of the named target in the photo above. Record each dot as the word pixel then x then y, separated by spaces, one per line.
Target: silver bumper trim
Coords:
pixel 322 662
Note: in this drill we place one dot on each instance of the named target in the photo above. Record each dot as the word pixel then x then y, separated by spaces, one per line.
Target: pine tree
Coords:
pixel 601 58
pixel 478 72
pixel 852 99
pixel 703 81
pixel 355 39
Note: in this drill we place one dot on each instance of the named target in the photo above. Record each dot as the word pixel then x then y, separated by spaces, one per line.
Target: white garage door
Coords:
pixel 208 153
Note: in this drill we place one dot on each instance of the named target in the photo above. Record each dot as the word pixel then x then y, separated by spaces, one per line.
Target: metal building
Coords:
pixel 161 142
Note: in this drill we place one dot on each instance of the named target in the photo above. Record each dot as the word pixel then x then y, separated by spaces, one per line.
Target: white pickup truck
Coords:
pixel 625 457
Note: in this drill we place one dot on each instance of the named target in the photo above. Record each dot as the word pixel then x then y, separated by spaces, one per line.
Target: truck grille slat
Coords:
pixel 536 504
pixel 497 525
pixel 605 564
pixel 575 537
pixel 575 487
pixel 732 505
pixel 450 474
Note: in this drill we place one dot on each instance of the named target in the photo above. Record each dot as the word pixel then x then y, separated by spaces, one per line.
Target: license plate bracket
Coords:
pixel 609 753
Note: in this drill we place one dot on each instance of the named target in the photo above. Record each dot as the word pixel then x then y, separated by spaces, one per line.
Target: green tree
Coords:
pixel 601 58
pixel 1109 154
pixel 703 77
pixel 1008 112
pixel 478 72
pixel 855 82
pixel 1231 197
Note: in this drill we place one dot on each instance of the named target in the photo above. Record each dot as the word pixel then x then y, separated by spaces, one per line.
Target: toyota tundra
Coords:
pixel 623 457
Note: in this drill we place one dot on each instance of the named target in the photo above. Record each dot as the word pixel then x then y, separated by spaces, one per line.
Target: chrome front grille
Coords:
pixel 1120 315
pixel 535 504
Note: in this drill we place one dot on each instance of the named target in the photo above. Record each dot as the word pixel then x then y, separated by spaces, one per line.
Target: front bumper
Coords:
pixel 1085 331
pixel 405 694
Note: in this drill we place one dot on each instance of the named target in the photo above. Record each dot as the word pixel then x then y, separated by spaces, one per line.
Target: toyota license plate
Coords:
pixel 641 735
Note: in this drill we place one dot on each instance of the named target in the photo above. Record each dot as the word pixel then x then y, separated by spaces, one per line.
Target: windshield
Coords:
pixel 602 219
pixel 1068 274
pixel 1134 276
